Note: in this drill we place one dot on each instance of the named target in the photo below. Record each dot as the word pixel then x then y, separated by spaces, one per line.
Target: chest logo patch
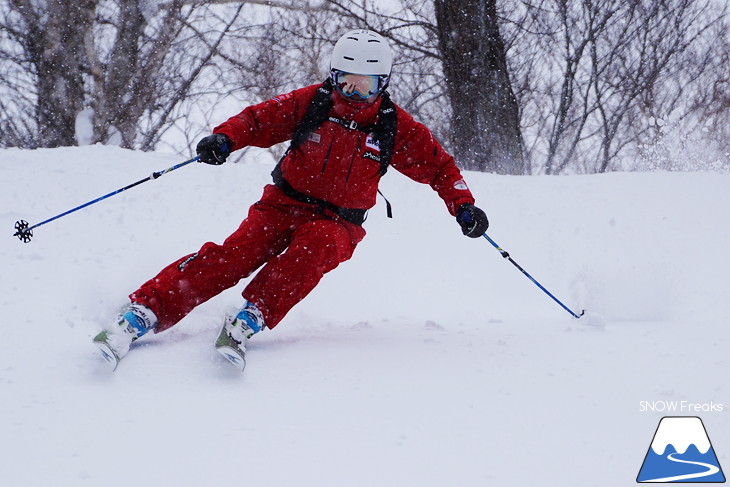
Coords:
pixel 372 143
pixel 371 155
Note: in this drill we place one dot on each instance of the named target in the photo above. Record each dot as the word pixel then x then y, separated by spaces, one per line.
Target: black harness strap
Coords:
pixel 352 215
pixel 317 113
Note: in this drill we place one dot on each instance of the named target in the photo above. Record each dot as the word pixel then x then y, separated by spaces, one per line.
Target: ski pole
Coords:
pixel 506 255
pixel 25 232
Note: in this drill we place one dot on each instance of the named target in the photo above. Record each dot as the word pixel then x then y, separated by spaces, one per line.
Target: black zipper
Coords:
pixel 354 154
pixel 327 156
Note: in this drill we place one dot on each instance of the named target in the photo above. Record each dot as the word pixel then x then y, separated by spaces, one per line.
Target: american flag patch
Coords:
pixel 281 98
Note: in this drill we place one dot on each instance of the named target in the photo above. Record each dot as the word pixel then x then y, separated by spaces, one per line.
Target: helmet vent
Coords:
pixel 372 60
pixel 373 40
pixel 349 58
pixel 353 38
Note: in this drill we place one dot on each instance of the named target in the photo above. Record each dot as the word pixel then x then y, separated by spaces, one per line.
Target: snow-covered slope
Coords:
pixel 426 360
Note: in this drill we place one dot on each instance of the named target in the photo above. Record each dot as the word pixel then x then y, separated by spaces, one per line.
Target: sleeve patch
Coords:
pixel 282 98
pixel 461 185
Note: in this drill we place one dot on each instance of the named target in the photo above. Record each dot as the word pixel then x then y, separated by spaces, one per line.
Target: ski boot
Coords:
pixel 236 331
pixel 134 322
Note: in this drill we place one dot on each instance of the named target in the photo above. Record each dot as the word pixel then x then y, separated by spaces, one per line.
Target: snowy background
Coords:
pixel 426 360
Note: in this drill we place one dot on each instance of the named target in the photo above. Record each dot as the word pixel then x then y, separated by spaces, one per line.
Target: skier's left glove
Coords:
pixel 214 149
pixel 473 220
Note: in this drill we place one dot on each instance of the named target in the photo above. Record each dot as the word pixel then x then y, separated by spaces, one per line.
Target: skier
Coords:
pixel 344 134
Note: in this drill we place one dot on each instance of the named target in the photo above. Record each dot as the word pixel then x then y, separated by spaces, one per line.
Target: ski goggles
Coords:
pixel 359 86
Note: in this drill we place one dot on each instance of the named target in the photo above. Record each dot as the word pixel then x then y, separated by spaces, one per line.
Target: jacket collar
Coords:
pixel 362 113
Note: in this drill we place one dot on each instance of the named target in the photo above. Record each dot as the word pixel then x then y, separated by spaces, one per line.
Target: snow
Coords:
pixel 84 127
pixel 426 360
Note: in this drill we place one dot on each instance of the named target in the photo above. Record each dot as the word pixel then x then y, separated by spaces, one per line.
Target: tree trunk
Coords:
pixel 485 116
pixel 55 47
pixel 115 100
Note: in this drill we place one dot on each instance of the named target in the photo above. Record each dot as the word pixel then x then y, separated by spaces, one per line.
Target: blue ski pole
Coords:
pixel 25 232
pixel 506 255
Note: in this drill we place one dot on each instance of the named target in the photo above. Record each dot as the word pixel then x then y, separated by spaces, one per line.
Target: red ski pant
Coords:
pixel 294 242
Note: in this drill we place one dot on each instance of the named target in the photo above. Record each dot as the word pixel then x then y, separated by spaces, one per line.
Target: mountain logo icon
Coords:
pixel 681 452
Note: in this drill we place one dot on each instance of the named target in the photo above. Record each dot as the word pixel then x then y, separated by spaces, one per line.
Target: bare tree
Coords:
pixel 121 66
pixel 485 115
pixel 630 64
pixel 689 104
pixel 610 73
pixel 41 40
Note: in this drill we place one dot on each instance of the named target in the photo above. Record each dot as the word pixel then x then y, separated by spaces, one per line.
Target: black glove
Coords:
pixel 214 149
pixel 473 220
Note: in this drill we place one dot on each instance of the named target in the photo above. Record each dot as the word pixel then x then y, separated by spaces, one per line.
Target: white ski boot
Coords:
pixel 114 342
pixel 236 331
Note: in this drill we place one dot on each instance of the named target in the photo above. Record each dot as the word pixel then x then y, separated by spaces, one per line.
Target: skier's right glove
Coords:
pixel 473 220
pixel 214 149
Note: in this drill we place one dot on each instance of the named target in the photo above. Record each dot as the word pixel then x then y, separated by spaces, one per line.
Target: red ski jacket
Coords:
pixel 336 164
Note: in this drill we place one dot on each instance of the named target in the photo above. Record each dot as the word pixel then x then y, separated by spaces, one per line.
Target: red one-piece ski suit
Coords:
pixel 296 242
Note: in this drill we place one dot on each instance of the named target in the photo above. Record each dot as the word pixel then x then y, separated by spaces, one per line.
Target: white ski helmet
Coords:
pixel 362 52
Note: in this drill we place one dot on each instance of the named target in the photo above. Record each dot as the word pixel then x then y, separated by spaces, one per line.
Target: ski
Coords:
pixel 230 349
pixel 107 352
pixel 234 355
pixel 233 351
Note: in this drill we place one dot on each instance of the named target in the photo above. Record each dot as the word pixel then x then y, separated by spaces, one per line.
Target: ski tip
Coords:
pixel 107 354
pixel 233 356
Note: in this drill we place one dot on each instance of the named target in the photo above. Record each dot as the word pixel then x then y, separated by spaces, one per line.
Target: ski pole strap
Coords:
pixel 388 206
pixel 506 255
pixel 157 174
